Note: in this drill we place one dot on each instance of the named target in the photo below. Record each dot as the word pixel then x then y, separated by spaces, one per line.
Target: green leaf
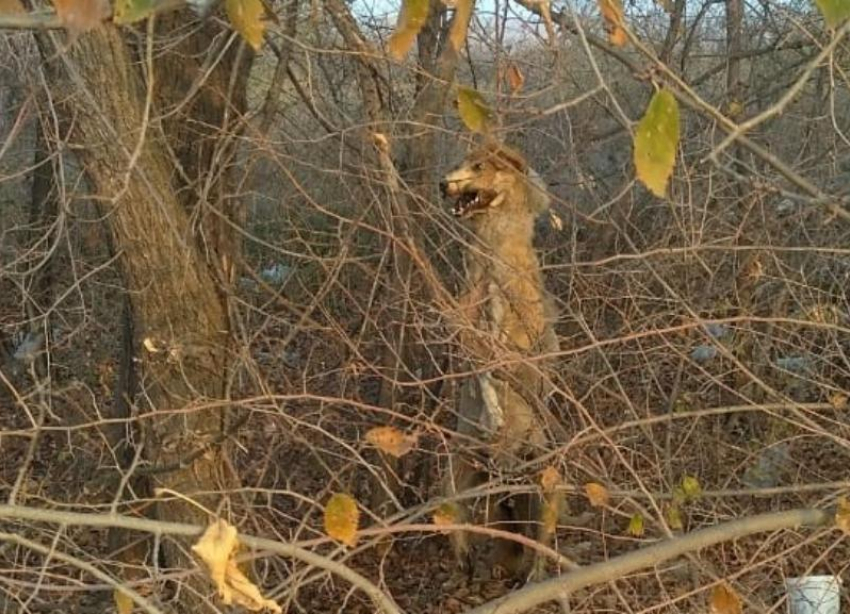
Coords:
pixel 834 11
pixel 473 110
pixel 131 11
pixel 246 16
pixel 636 525
pixel 691 488
pixel 656 141
pixel 412 17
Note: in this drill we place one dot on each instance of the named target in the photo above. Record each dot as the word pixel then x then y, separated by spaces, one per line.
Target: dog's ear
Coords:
pixel 506 157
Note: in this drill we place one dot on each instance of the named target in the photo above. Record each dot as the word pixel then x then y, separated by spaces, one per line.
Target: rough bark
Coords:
pixel 179 314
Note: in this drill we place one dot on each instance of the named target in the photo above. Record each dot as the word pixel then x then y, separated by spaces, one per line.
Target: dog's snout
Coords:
pixel 444 188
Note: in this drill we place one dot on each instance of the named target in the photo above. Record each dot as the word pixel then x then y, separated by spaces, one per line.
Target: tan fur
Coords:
pixel 506 298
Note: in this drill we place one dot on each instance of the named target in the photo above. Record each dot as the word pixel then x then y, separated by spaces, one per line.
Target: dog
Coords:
pixel 499 197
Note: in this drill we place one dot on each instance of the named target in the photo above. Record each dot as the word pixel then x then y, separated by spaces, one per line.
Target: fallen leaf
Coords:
pixel 80 16
pixel 411 19
pixel 724 600
pixel 597 494
pixel 341 519
pixel 217 549
pixel 390 440
pixel 656 142
pixel 246 16
pixel 636 525
pixel 473 110
pixel 612 13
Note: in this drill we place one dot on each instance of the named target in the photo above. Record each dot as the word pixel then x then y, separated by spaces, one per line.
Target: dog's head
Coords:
pixel 484 180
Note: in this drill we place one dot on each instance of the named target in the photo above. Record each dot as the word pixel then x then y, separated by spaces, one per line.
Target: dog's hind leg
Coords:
pixel 462 477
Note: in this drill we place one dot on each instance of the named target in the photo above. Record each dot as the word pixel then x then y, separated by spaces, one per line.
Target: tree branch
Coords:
pixel 381 600
pixel 618 567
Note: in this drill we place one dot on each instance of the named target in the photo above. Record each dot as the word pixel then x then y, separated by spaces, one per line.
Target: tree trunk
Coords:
pixel 180 316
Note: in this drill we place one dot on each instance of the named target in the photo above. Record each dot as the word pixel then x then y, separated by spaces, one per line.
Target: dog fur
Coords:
pixel 500 197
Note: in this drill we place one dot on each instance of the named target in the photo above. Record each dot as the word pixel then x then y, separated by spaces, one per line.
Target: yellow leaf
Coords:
pixel 123 604
pixel 674 517
pixel 413 15
pixel 473 111
pixel 834 11
pixel 691 488
pixel 460 25
pixel 724 600
pixel 656 141
pixel 246 16
pixel 391 441
pixel 597 494
pixel 842 515
pixel 131 11
pixel 217 549
pixel 550 479
pixel 446 514
pixel 341 519
pixel 551 514
pixel 838 400
pixel 612 13
pixel 636 525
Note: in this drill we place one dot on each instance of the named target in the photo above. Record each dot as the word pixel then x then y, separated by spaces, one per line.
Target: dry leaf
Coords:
pixel 656 142
pixel 515 78
pixel 597 494
pixel 123 603
pixel 217 549
pixel 724 600
pixel 842 515
pixel 612 13
pixel 246 16
pixel 390 440
pixel 460 24
pixel 341 519
pixel 446 514
pixel 838 400
pixel 551 514
pixel 80 16
pixel 550 479
pixel 413 15
pixel 11 7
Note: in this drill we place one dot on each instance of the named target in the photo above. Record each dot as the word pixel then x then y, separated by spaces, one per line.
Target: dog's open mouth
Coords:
pixel 471 202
